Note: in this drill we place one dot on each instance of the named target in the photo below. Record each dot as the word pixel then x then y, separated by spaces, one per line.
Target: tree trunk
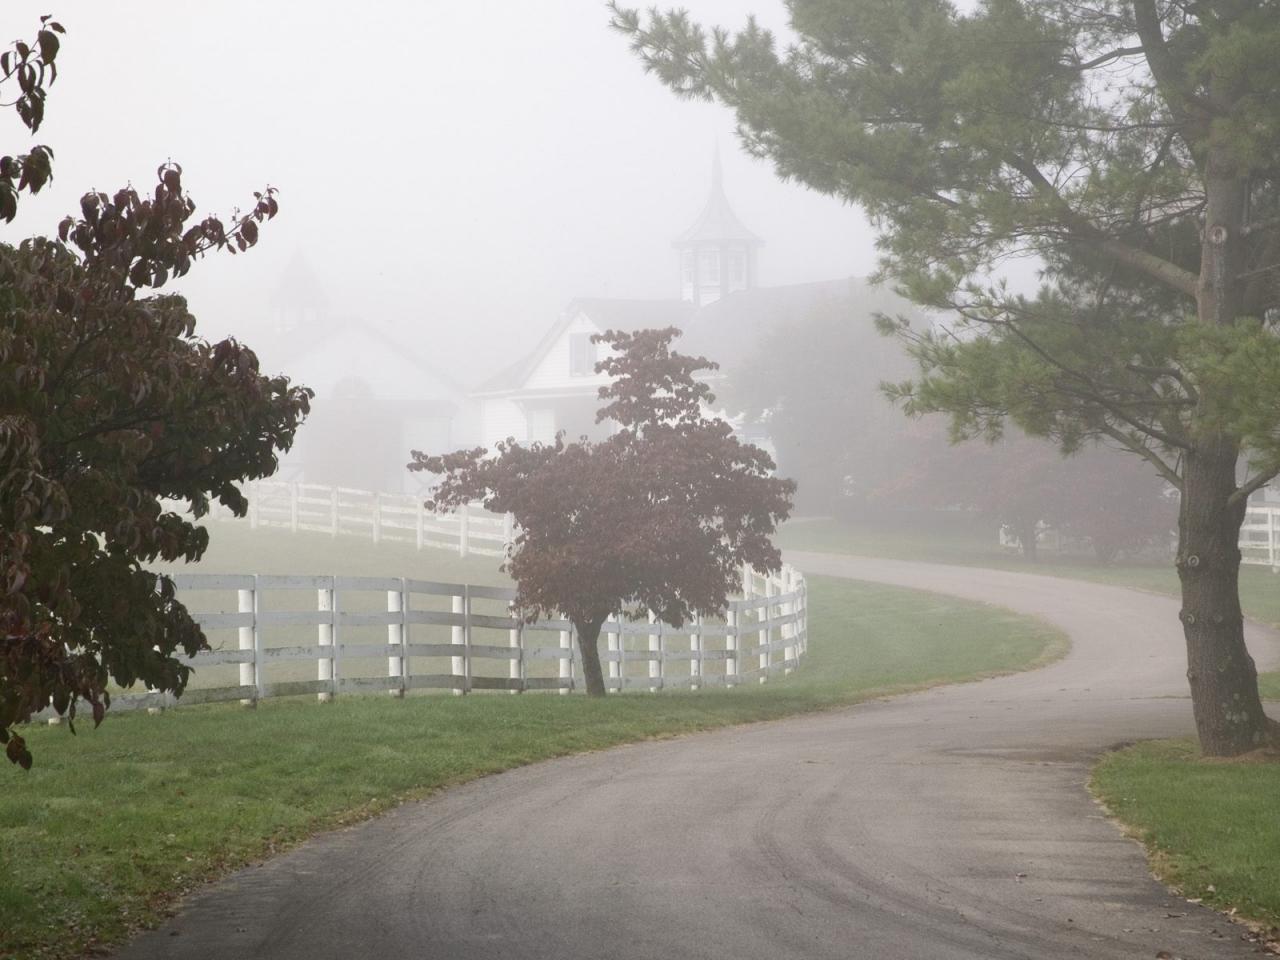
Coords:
pixel 588 640
pixel 1224 680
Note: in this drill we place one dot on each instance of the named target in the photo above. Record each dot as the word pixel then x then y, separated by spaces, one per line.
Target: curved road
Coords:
pixel 952 823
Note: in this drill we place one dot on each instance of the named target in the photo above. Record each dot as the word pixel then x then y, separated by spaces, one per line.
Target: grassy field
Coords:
pixel 1211 828
pixel 234 548
pixel 113 824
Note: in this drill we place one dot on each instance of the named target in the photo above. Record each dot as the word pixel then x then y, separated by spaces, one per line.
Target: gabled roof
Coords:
pixel 358 337
pixel 717 222
pixel 298 286
pixel 626 315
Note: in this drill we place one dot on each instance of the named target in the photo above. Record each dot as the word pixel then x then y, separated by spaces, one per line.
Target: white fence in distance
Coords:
pixel 398 517
pixel 1260 537
pixel 461 638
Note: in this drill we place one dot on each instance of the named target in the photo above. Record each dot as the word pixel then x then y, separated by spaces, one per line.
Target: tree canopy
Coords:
pixel 660 516
pixel 1132 147
pixel 116 419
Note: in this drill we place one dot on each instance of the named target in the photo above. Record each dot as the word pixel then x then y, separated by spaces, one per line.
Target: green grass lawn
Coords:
pixel 111 825
pixel 234 548
pixel 1211 828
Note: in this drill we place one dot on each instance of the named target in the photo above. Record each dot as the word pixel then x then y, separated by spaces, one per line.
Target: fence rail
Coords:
pixel 399 517
pixel 277 636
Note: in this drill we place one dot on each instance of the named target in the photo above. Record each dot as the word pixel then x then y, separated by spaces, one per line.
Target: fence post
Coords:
pixel 612 639
pixel 764 615
pixel 293 507
pixel 395 637
pixel 333 511
pixel 622 655
pixel 421 523
pixel 464 523
pixel 788 630
pixel 566 662
pixel 517 672
pixel 655 646
pixel 324 637
pixel 247 602
pixel 731 646
pixel 458 637
pixel 803 625
pixel 695 654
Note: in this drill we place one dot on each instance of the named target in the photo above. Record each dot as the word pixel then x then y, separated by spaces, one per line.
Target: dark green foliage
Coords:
pixel 1130 145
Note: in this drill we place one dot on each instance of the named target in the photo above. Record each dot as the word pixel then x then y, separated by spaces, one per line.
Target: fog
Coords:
pixel 457 172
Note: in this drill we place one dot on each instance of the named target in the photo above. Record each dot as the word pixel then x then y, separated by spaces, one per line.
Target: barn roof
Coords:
pixel 626 315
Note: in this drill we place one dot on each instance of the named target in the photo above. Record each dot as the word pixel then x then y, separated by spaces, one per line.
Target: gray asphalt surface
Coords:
pixel 953 823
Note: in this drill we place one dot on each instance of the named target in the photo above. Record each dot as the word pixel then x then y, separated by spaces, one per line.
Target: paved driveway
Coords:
pixel 947 824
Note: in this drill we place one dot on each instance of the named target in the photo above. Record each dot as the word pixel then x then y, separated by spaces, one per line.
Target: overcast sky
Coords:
pixel 460 169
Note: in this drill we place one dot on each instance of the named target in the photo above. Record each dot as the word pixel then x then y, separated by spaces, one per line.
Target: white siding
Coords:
pixel 501 419
pixel 553 371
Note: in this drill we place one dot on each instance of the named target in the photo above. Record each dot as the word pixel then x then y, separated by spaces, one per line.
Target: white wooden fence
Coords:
pixel 400 517
pixel 1260 537
pixel 289 635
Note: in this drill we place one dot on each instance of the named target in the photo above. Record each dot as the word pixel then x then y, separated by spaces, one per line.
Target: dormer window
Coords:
pixel 582 355
pixel 711 266
pixel 737 267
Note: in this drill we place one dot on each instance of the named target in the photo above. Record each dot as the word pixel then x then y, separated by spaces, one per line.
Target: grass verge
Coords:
pixel 114 824
pixel 1210 827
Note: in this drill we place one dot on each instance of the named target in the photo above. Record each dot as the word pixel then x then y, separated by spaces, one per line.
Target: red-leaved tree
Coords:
pixel 113 416
pixel 658 517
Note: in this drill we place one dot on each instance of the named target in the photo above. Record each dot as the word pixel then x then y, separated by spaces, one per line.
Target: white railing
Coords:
pixel 277 636
pixel 400 517
pixel 1260 537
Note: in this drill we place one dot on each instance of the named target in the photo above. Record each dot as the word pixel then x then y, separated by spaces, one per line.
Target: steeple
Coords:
pixel 717 253
pixel 299 300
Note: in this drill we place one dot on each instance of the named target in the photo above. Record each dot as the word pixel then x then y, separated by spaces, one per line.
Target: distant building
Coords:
pixel 376 397
pixel 555 386
pixel 722 311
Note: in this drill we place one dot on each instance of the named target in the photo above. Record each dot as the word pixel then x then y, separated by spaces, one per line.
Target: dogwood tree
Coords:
pixel 113 416
pixel 660 516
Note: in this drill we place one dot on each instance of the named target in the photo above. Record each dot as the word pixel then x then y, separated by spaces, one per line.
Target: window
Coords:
pixel 711 266
pixel 582 355
pixel 738 268
pixel 542 425
pixel 689 264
